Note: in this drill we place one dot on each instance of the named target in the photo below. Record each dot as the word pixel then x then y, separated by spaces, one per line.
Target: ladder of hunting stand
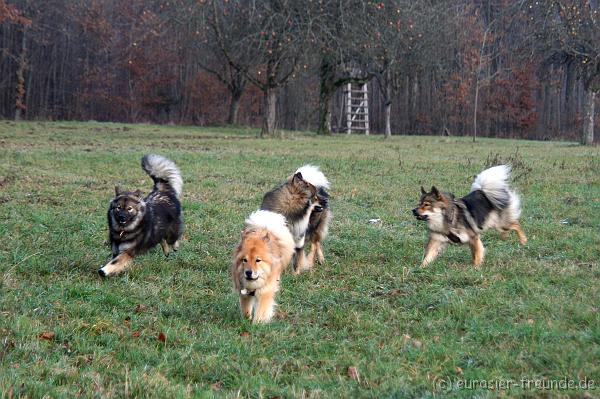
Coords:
pixel 357 108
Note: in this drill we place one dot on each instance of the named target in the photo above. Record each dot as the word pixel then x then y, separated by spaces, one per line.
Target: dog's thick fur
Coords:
pixel 318 227
pixel 266 248
pixel 137 224
pixel 490 204
pixel 302 198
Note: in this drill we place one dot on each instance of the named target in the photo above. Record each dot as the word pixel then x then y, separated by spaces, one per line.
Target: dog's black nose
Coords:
pixel 318 208
pixel 102 273
pixel 414 211
pixel 248 273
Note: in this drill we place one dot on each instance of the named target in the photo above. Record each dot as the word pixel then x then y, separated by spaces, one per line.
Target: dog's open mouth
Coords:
pixel 422 217
pixel 252 278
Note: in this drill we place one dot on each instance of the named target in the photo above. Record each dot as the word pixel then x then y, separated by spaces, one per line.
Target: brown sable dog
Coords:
pixel 137 224
pixel 265 251
pixel 490 204
pixel 304 201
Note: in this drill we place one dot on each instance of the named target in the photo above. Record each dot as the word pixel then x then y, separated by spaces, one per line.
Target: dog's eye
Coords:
pixel 258 260
pixel 244 260
pixel 118 207
pixel 129 209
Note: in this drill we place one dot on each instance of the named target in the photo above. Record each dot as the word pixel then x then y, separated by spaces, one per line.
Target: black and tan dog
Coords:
pixel 137 224
pixel 490 204
pixel 304 202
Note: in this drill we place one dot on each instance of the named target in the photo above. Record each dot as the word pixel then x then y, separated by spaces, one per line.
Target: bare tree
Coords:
pixel 264 41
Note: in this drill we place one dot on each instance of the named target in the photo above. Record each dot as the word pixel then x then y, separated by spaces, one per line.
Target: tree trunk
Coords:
pixel 325 98
pixel 588 117
pixel 269 112
pixel 388 103
pixel 234 107
pixel 326 90
pixel 22 65
pixel 388 114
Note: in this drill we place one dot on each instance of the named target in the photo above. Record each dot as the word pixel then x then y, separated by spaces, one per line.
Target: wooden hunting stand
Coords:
pixel 357 108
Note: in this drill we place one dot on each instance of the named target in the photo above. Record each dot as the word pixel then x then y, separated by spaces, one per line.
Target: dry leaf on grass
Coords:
pixel 162 337
pixel 244 334
pixel 140 307
pixel 47 335
pixel 353 373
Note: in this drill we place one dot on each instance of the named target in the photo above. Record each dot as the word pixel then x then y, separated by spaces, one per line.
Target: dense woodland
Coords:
pixel 527 69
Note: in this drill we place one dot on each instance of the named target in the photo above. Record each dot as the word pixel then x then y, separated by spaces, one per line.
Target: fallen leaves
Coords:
pixel 47 335
pixel 244 334
pixel 353 373
pixel 136 334
pixel 408 340
pixel 162 337
pixel 140 308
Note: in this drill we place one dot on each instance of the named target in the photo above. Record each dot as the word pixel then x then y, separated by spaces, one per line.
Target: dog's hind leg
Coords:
pixel 265 307
pixel 115 266
pixel 522 237
pixel 432 250
pixel 312 255
pixel 477 250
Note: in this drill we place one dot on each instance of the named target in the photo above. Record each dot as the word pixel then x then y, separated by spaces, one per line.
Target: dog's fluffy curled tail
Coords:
pixel 164 173
pixel 494 184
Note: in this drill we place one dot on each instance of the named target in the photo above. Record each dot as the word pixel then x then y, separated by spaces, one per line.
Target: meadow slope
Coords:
pixel 530 312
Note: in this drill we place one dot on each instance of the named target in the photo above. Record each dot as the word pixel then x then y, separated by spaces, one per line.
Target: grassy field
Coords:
pixel 530 312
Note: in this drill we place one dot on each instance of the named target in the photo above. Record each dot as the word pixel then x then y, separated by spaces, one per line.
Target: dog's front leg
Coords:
pixel 246 304
pixel 117 265
pixel 477 251
pixel 432 250
pixel 265 307
pixel 522 237
pixel 115 249
pixel 299 260
pixel 165 247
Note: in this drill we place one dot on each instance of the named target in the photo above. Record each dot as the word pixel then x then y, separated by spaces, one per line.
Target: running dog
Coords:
pixel 490 204
pixel 137 224
pixel 266 248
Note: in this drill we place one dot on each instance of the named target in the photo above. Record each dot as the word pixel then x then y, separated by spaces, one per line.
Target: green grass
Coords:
pixel 530 312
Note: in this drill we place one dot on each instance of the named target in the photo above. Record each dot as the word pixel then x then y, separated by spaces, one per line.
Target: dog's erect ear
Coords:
pixel 423 190
pixel 266 237
pixel 118 190
pixel 138 193
pixel 297 177
pixel 435 192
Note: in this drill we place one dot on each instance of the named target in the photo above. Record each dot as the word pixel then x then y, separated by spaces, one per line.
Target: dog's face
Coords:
pixel 253 259
pixel 301 187
pixel 321 201
pixel 431 206
pixel 126 207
